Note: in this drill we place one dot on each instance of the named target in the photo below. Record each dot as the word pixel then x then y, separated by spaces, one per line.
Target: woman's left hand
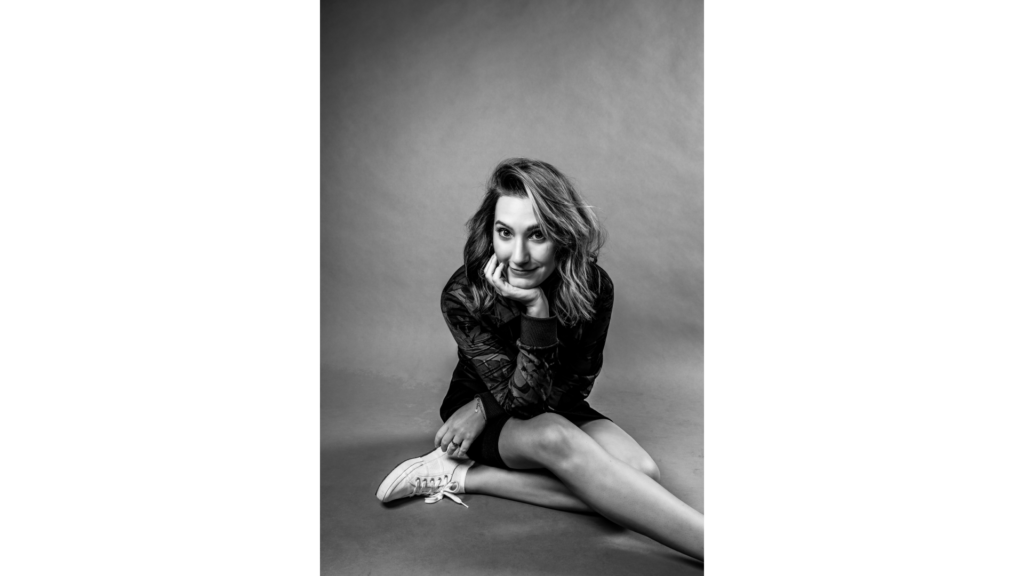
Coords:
pixel 459 432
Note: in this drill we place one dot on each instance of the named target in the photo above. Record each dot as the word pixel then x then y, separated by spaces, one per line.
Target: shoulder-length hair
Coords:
pixel 563 216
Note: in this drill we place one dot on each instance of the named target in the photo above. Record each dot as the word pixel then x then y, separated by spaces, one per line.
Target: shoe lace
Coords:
pixel 437 488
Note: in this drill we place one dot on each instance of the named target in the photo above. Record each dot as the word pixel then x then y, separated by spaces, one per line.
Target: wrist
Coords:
pixel 478 407
pixel 538 308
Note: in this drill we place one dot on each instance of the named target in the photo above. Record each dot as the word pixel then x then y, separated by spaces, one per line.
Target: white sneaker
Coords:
pixel 434 475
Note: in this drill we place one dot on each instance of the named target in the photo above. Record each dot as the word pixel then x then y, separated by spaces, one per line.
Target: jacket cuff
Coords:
pixel 491 407
pixel 538 332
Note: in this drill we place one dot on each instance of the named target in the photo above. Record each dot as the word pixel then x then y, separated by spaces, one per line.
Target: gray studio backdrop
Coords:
pixel 420 100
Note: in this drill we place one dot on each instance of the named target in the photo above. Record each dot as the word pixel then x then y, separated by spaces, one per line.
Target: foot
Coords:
pixel 434 475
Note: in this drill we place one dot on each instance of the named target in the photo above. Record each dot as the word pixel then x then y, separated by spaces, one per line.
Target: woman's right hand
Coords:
pixel 533 298
pixel 460 431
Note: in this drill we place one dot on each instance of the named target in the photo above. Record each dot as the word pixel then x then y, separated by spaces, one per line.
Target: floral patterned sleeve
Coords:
pixel 519 378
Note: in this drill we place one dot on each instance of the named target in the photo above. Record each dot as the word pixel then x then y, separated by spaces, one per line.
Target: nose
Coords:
pixel 520 255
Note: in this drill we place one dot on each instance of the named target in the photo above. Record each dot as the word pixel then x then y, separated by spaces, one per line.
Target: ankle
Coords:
pixel 476 479
pixel 461 473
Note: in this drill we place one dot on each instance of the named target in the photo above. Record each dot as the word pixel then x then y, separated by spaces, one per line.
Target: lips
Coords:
pixel 522 271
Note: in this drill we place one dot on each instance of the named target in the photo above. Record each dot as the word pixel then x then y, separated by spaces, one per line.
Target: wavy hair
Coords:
pixel 563 216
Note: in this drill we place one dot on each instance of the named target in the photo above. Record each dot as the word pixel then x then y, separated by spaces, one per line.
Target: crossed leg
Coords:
pixel 584 475
pixel 542 488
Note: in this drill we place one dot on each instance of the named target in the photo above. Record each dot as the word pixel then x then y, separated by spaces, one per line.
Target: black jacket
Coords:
pixel 523 365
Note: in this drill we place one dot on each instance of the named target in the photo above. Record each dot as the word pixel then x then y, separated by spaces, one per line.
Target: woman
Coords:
pixel 530 311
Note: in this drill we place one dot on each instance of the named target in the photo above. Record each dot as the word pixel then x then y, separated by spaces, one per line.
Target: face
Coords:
pixel 521 244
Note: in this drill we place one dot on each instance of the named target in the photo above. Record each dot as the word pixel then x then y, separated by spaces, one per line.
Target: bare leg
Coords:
pixel 609 486
pixel 541 488
pixel 537 487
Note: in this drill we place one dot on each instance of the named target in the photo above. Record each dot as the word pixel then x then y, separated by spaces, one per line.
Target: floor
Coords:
pixel 370 423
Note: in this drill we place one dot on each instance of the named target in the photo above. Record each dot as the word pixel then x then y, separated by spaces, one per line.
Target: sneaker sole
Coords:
pixel 395 477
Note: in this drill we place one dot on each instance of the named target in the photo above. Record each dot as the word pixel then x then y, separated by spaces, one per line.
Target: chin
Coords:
pixel 522 284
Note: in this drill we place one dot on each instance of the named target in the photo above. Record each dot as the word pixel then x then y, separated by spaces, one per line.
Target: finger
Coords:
pixel 496 278
pixel 447 439
pixel 440 434
pixel 499 285
pixel 456 442
pixel 489 272
pixel 507 290
pixel 464 448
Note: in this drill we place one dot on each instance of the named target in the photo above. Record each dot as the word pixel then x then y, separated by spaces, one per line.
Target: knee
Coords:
pixel 554 436
pixel 648 466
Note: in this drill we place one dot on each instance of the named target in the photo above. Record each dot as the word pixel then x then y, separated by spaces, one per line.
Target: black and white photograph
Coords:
pixel 512 287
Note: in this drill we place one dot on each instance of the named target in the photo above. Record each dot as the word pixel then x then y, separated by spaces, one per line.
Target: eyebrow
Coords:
pixel 528 230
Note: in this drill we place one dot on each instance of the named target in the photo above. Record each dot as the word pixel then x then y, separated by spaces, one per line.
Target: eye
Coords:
pixel 538 236
pixel 504 233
